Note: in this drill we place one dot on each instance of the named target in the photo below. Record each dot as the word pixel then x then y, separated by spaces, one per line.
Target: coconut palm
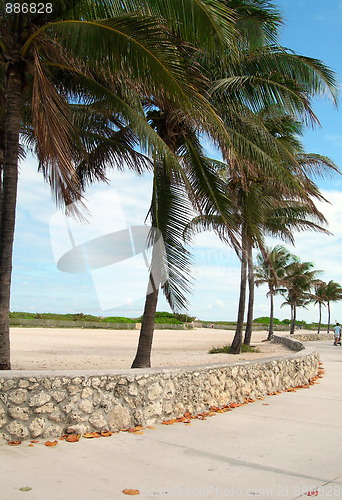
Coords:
pixel 72 51
pixel 52 60
pixel 299 279
pixel 319 298
pixel 270 270
pixel 332 293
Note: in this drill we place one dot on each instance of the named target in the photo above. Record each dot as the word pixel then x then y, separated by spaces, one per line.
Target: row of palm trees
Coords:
pixel 140 84
pixel 297 281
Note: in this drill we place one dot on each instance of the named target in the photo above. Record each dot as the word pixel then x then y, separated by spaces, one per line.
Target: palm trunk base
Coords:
pixel 235 348
pixel 270 335
pixel 143 355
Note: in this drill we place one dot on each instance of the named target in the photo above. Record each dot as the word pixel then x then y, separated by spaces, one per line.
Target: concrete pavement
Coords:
pixel 281 447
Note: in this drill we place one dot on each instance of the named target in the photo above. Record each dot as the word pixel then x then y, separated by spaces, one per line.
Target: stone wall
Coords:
pixel 313 336
pixel 58 323
pixel 291 342
pixel 50 404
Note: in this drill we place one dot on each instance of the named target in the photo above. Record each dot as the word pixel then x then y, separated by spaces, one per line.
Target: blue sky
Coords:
pixel 312 28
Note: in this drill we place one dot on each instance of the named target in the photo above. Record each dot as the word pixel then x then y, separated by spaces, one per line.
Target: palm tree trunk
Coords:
pixel 270 330
pixel 237 341
pixel 249 324
pixel 8 207
pixel 143 355
pixel 320 317
pixel 293 322
pixel 328 304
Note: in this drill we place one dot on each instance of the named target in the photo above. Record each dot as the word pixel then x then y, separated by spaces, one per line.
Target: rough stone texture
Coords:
pixel 290 341
pixel 37 427
pixel 18 413
pixel 119 418
pixel 313 336
pixel 50 405
pixel 18 396
pixel 17 430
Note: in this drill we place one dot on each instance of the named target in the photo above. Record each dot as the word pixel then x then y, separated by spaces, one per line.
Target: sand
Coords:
pixel 81 349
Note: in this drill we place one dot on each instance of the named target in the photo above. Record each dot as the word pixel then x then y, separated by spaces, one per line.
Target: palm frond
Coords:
pixel 55 135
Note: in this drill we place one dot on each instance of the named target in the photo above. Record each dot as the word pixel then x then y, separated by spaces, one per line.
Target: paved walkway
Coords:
pixel 277 448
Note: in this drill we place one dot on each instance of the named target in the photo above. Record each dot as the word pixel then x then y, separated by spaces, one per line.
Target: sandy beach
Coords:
pixel 80 349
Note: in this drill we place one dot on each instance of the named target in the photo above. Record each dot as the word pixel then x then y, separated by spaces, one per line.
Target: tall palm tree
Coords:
pixel 194 185
pixel 298 281
pixel 271 270
pixel 332 293
pixel 319 298
pixel 78 49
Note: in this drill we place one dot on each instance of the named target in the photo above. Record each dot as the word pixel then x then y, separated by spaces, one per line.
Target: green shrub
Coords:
pixel 265 320
pixel 226 349
pixel 164 317
pixel 118 319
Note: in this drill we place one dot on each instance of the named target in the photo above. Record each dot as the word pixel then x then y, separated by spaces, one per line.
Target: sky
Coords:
pixel 43 237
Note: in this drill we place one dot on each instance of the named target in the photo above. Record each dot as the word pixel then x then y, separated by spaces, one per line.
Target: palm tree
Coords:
pixel 332 293
pixel 52 59
pixel 194 184
pixel 319 298
pixel 271 270
pixel 297 283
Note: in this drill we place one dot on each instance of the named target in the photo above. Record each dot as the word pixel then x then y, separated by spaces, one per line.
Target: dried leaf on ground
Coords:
pixel 128 491
pixel 91 435
pixel 14 443
pixel 106 433
pixel 73 438
pixel 51 443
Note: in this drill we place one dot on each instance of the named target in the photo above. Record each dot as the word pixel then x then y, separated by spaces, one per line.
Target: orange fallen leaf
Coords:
pixel 49 443
pixel 189 424
pixel 180 419
pixel 265 404
pixel 150 427
pixel 167 422
pixel 234 405
pixel 91 435
pixel 14 443
pixel 130 492
pixel 73 438
pixel 187 414
pixel 106 433
pixel 31 445
pixel 34 441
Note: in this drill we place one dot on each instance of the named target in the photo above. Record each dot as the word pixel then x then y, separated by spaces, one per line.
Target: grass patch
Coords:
pixel 226 349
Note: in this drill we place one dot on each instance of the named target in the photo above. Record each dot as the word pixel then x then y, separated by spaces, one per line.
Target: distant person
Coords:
pixel 211 325
pixel 337 333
